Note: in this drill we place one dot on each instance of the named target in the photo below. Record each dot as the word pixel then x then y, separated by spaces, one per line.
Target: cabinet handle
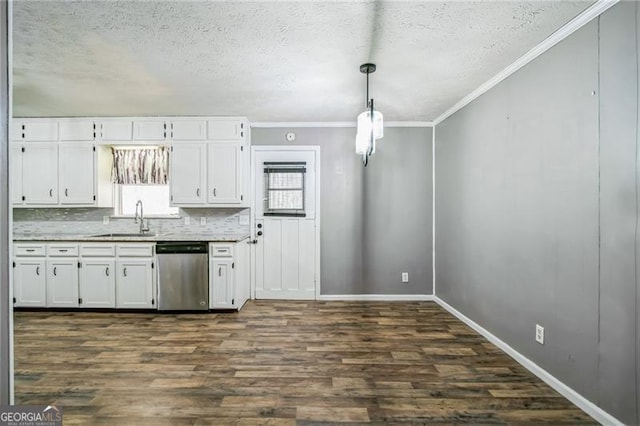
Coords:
pixel 31 250
pixel 51 193
pixel 219 271
pixel 197 192
pixel 37 270
pixel 63 250
pixel 106 271
pixel 124 271
pixel 66 192
pixel 214 192
pixel 54 270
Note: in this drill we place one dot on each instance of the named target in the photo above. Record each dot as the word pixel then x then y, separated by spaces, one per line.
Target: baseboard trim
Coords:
pixel 584 404
pixel 377 297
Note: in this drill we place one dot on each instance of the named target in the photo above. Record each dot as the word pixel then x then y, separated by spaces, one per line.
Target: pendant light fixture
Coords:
pixel 370 125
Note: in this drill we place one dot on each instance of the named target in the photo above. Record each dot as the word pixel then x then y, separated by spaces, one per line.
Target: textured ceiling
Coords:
pixel 267 60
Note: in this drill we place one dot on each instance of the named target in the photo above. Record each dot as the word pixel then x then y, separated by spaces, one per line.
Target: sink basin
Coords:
pixel 126 234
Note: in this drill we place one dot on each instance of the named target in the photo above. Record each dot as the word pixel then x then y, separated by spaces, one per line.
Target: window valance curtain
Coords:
pixel 133 166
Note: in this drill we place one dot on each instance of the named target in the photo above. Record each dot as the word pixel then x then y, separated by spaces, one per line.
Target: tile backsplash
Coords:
pixel 90 221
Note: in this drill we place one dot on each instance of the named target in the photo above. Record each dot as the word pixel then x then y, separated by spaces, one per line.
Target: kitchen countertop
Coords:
pixel 147 238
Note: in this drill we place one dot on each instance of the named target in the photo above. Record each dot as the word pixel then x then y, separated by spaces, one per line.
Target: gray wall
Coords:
pixel 375 221
pixel 536 211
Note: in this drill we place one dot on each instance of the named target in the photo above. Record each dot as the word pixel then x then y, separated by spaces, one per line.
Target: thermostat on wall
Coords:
pixel 291 136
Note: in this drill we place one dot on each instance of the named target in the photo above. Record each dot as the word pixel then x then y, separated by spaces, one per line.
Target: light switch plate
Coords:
pixel 187 220
pixel 203 220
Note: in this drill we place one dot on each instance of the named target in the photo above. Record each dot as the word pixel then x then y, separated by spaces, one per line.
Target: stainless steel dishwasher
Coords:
pixel 183 275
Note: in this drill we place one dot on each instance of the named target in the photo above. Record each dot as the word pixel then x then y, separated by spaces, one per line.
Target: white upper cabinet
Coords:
pixel 225 129
pixel 76 173
pixel 15 172
pixel 40 173
pixel 149 130
pixel 188 130
pixel 37 130
pixel 187 174
pixel 77 130
pixel 224 173
pixel 116 130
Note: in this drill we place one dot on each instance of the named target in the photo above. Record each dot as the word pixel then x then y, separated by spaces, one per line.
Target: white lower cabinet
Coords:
pixel 134 284
pixel 62 283
pixel 29 282
pixel 85 275
pixel 228 275
pixel 97 283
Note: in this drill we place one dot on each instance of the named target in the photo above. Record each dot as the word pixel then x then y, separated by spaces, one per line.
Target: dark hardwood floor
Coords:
pixel 276 363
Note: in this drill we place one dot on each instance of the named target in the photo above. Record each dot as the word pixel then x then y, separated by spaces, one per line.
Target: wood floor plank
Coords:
pixel 276 363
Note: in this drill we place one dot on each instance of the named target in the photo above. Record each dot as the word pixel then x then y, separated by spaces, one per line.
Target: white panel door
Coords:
pixel 224 173
pixel 29 283
pixel 40 130
pixel 134 284
pixel 40 173
pixel 116 130
pixel 76 173
pixel 15 169
pixel 188 130
pixel 286 263
pixel 221 284
pixel 187 177
pixel 77 130
pixel 97 283
pixel 150 130
pixel 62 283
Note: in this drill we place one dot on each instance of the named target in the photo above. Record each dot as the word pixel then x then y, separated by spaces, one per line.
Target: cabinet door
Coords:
pixel 225 130
pixel 187 178
pixel 134 284
pixel 149 130
pixel 76 173
pixel 15 171
pixel 62 283
pixel 40 173
pixel 221 284
pixel 224 173
pixel 188 130
pixel 29 282
pixel 116 130
pixel 97 283
pixel 40 130
pixel 77 130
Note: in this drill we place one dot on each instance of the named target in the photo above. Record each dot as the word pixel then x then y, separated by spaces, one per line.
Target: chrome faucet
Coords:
pixel 143 228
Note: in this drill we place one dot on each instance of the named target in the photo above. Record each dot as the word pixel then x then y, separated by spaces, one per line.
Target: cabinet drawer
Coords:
pixel 29 250
pixel 63 250
pixel 221 250
pixel 135 250
pixel 97 250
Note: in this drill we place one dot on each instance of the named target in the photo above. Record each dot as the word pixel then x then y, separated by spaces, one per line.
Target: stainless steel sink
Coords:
pixel 125 234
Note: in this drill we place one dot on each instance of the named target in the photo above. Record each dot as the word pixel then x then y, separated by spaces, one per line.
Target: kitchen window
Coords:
pixel 141 173
pixel 284 186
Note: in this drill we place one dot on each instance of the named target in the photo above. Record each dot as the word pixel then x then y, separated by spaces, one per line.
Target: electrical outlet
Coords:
pixel 187 220
pixel 540 334
pixel 203 221
pixel 405 277
pixel 105 220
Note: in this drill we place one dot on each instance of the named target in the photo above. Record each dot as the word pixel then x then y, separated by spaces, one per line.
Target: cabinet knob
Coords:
pixel 259 225
pixel 259 233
